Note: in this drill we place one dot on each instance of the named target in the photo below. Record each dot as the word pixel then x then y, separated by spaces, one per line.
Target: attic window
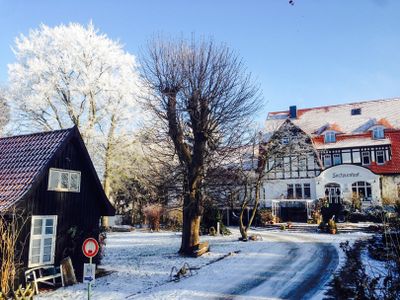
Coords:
pixel 285 140
pixel 378 132
pixel 356 111
pixel 330 137
pixel 64 180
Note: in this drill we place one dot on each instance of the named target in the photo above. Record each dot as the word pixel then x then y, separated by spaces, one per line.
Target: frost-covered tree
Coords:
pixel 73 75
pixel 4 113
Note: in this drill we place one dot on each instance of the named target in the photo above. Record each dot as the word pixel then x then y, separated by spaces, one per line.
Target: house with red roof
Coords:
pixel 354 152
pixel 49 178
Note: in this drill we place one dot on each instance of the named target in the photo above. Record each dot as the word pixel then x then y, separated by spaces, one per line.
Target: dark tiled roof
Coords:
pixel 22 158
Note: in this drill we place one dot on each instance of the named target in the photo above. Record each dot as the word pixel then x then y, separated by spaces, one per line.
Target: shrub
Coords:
pixel 173 219
pixel 332 226
pixel 212 231
pixel 152 213
pixel 264 216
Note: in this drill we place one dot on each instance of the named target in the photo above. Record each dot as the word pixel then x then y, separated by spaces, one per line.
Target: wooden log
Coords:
pixel 68 272
pixel 200 249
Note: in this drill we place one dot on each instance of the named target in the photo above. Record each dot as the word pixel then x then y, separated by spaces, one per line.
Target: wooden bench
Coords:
pixel 44 274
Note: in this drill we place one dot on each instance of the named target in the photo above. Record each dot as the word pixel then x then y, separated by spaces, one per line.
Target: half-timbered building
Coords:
pixel 353 151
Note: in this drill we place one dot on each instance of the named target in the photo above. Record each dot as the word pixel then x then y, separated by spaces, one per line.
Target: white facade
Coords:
pixel 348 178
pixel 277 189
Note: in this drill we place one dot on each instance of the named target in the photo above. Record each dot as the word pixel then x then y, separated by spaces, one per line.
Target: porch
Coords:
pixel 294 210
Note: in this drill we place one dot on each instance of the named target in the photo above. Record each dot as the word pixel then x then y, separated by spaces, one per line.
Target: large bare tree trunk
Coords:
pixel 190 230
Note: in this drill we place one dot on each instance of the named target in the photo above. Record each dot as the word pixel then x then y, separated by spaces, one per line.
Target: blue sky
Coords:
pixel 312 53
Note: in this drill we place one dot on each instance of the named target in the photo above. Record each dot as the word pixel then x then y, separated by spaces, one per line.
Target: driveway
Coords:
pixel 282 266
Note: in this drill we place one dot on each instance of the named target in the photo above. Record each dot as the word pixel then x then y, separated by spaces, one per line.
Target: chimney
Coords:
pixel 293 112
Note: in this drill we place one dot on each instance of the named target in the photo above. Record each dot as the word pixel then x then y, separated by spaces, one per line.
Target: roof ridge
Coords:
pixel 37 133
pixel 341 104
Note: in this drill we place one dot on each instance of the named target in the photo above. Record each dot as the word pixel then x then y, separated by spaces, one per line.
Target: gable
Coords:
pixel 25 162
pixel 22 160
pixel 279 157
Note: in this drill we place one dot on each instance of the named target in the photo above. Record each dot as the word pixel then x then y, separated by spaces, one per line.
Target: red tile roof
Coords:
pixel 22 158
pixel 392 166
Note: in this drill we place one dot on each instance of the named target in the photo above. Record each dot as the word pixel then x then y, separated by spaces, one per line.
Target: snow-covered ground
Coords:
pixel 283 265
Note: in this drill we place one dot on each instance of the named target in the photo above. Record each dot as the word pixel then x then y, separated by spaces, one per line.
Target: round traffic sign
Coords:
pixel 90 247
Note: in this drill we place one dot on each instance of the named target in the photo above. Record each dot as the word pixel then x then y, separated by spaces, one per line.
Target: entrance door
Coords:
pixel 333 193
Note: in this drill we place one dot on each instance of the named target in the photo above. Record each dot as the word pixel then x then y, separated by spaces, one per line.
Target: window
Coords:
pixel 356 111
pixel 330 137
pixel 366 158
pixel 64 180
pixel 398 190
pixel 378 133
pixel 290 191
pixel 362 190
pixel 285 140
pixel 346 157
pixel 356 157
pixel 327 160
pixel 337 160
pixel 42 240
pixel 380 157
pixel 307 191
pixel 299 191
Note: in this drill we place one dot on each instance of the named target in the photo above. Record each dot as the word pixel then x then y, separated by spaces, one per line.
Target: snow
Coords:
pixel 275 267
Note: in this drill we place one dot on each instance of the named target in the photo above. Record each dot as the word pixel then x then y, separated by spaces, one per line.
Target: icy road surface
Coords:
pixel 284 265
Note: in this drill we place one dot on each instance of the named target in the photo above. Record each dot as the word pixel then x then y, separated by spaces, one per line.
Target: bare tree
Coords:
pixel 204 99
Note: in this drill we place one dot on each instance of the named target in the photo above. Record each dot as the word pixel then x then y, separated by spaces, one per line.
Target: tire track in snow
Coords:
pixel 300 276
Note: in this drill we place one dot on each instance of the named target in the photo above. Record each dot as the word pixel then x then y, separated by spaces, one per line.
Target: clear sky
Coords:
pixel 312 53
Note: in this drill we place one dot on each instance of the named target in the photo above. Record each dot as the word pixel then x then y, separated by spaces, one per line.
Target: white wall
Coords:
pixel 276 188
pixel 345 176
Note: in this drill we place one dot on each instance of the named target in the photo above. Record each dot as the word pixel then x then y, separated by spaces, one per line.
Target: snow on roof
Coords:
pixel 384 112
pixel 352 142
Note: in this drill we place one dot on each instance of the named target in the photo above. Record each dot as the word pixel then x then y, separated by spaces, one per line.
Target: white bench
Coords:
pixel 44 274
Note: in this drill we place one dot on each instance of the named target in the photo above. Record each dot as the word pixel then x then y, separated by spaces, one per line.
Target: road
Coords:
pixel 307 265
pixel 282 266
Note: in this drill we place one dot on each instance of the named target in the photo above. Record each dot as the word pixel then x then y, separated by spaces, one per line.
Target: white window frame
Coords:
pixel 58 172
pixel 337 155
pixel 41 237
pixel 378 132
pixel 367 154
pixel 330 137
pixel 325 159
pixel 383 155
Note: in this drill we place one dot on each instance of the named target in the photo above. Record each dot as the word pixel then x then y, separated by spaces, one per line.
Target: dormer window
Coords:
pixel 356 111
pixel 378 132
pixel 330 137
pixel 285 140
